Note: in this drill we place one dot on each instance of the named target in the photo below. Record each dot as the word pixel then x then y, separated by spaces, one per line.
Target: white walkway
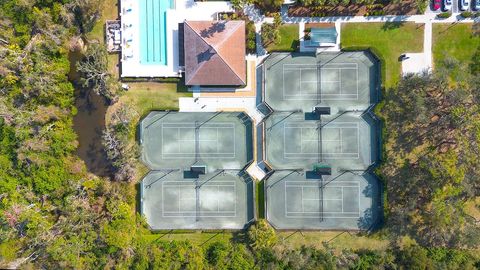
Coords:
pixel 215 104
pixel 421 62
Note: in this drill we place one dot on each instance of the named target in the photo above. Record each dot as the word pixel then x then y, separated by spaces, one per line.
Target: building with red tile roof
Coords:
pixel 215 53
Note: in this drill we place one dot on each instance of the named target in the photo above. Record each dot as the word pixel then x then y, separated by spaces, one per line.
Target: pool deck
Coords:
pixel 183 9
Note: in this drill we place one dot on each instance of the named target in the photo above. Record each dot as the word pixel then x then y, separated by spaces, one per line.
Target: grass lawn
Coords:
pixel 147 96
pixel 289 39
pixel 453 40
pixel 286 240
pixel 388 39
pixel 199 238
pixel 260 196
pixel 109 12
pixel 335 239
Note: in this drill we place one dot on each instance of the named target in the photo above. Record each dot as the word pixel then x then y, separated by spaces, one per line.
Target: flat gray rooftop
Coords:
pixel 344 201
pixel 347 141
pixel 300 81
pixel 178 140
pixel 175 200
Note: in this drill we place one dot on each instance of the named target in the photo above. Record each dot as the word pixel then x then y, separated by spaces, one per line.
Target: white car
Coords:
pixel 477 5
pixel 447 5
pixel 464 4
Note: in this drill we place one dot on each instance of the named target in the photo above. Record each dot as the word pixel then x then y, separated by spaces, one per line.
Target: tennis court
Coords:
pixel 345 141
pixel 172 199
pixel 343 81
pixel 179 140
pixel 345 200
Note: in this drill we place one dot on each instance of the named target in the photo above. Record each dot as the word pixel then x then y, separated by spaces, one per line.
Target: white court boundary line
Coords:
pixel 331 155
pixel 314 185
pixel 325 96
pixel 188 126
pixel 178 187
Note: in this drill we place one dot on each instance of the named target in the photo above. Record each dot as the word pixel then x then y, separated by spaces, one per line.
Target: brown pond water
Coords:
pixel 89 124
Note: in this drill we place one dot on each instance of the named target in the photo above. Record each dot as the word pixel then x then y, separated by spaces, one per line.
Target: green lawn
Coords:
pixel 335 239
pixel 147 96
pixel 387 39
pixel 109 12
pixel 260 196
pixel 199 238
pixel 453 40
pixel 286 239
pixel 288 39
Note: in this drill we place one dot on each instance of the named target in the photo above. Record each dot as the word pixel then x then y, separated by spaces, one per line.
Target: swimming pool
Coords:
pixel 153 44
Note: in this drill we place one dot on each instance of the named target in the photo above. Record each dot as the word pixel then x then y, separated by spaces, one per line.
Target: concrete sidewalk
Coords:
pixel 215 104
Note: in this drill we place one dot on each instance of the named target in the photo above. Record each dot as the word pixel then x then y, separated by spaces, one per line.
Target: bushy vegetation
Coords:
pixel 466 14
pixel 268 7
pixel 444 15
pixel 117 140
pixel 94 74
pixel 277 36
pixel 432 155
pixel 362 7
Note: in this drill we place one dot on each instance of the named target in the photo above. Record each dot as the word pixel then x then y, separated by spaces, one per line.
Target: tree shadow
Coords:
pixel 216 27
pixel 392 25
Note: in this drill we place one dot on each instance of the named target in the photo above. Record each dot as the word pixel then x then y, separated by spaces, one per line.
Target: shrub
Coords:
pixel 421 6
pixel 270 34
pixel 444 15
pixel 262 235
pixel 466 14
pixel 251 37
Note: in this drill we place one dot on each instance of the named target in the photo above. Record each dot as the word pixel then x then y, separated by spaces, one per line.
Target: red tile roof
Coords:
pixel 215 53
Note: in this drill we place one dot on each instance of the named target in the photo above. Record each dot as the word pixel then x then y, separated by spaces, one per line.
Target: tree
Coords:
pixel 94 73
pixel 432 131
pixel 240 4
pixel 413 257
pixel 86 12
pixel 116 140
pixel 217 253
pixel 261 235
pixel 475 64
pixel 270 34
pixel 269 6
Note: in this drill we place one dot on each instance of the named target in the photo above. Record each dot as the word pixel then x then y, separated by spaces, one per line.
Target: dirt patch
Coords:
pixel 379 8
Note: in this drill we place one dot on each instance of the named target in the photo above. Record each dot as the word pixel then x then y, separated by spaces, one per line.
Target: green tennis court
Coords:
pixel 181 139
pixel 295 200
pixel 344 81
pixel 320 139
pixel 170 199
pixel 197 179
pixel 345 141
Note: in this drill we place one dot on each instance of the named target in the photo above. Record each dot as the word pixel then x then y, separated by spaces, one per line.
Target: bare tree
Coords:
pixel 95 75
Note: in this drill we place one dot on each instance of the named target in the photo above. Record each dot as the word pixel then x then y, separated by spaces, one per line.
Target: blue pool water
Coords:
pixel 153 45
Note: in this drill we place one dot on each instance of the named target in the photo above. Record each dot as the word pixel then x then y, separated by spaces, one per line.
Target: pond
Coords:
pixel 88 123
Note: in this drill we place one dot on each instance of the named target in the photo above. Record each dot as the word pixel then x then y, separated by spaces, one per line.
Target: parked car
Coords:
pixel 447 5
pixel 477 5
pixel 464 4
pixel 436 4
